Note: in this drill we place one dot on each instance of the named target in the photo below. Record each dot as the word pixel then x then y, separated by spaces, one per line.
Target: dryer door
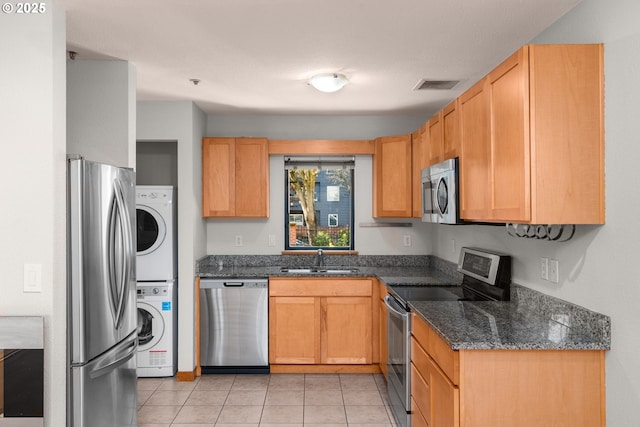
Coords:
pixel 150 326
pixel 151 229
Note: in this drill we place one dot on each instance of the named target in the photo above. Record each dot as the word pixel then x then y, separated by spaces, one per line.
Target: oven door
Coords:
pixel 398 360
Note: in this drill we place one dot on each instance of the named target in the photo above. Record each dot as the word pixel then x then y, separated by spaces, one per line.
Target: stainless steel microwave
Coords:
pixel 440 193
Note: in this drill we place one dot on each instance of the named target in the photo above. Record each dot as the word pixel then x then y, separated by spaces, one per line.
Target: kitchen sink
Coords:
pixel 319 270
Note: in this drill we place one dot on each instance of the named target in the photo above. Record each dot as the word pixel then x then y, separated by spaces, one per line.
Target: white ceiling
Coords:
pixel 255 56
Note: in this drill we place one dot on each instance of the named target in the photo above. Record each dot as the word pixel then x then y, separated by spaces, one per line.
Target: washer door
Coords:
pixel 151 229
pixel 150 326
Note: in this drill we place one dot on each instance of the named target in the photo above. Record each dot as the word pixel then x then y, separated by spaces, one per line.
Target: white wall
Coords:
pixel 32 222
pixel 312 127
pixel 101 111
pixel 255 232
pixel 157 163
pixel 598 267
pixel 185 123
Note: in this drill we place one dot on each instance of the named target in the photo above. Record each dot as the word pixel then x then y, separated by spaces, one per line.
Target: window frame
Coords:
pixel 287 246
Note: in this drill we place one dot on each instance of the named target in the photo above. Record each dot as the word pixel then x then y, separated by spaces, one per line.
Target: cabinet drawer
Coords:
pixel 417 419
pixel 447 359
pixel 330 287
pixel 420 393
pixel 419 358
pixel 420 330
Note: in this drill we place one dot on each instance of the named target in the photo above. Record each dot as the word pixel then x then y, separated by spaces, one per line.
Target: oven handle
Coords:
pixel 390 302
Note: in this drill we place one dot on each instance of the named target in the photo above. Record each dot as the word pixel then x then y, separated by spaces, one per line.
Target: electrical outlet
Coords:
pixel 544 268
pixel 554 271
pixel 238 240
pixel 272 239
pixel 406 240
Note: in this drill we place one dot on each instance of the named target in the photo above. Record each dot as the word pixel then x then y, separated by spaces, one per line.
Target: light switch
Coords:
pixel 33 278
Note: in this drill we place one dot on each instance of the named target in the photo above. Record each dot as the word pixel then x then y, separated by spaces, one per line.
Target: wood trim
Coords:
pixel 375 321
pixel 313 252
pixel 325 369
pixel 320 146
pixel 186 375
pixel 198 369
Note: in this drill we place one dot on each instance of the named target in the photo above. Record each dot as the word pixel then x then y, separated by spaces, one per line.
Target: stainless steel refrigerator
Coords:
pixel 102 312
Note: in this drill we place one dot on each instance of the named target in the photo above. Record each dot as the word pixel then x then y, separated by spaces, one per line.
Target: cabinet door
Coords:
pixel 218 177
pixel 435 139
pixel 392 196
pixel 445 398
pixel 450 131
pixel 567 117
pixel 346 330
pixel 510 163
pixel 294 330
pixel 416 173
pixel 475 158
pixel 251 178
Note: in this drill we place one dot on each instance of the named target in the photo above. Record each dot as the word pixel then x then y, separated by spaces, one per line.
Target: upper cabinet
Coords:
pixel 532 138
pixel 235 177
pixel 450 131
pixel 434 126
pixel 392 188
pixel 416 173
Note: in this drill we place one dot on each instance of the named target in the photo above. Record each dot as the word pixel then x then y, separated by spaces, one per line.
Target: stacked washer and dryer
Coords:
pixel 157 271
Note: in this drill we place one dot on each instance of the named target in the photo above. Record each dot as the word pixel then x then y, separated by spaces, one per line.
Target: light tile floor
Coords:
pixel 275 400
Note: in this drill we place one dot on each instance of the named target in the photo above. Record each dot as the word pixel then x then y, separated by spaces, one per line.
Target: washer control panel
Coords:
pixel 153 291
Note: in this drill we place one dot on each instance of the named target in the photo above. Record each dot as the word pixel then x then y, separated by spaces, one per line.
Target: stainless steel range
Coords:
pixel 486 277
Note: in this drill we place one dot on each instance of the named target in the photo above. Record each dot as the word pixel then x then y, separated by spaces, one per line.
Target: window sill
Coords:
pixel 325 251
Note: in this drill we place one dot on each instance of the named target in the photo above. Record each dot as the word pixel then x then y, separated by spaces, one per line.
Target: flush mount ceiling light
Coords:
pixel 328 82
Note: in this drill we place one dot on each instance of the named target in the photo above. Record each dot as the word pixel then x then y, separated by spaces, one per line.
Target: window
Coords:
pixel 313 220
pixel 333 193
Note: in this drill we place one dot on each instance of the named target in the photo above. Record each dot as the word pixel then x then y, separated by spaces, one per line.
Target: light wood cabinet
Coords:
pixel 435 144
pixel 450 131
pixel 475 152
pixel 416 173
pixel 325 321
pixel 392 177
pixel 532 138
pixel 235 177
pixel 503 388
pixel 294 330
pixel 382 318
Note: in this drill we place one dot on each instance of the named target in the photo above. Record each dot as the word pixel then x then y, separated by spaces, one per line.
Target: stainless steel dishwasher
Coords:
pixel 234 325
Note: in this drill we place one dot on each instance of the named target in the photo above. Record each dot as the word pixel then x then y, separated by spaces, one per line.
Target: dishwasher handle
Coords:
pixel 234 284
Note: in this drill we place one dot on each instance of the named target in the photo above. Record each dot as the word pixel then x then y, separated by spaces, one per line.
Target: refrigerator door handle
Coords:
pixel 120 252
pixel 117 356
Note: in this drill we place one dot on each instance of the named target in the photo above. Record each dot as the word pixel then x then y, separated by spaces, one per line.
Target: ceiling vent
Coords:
pixel 425 84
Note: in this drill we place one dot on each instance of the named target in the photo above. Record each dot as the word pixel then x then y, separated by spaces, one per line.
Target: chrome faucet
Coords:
pixel 320 258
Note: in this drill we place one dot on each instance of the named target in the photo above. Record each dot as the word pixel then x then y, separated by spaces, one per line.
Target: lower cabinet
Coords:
pixel 503 388
pixel 382 319
pixel 320 321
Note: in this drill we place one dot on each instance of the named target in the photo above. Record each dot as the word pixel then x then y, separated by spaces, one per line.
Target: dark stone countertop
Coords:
pixel 530 321
pixel 510 325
